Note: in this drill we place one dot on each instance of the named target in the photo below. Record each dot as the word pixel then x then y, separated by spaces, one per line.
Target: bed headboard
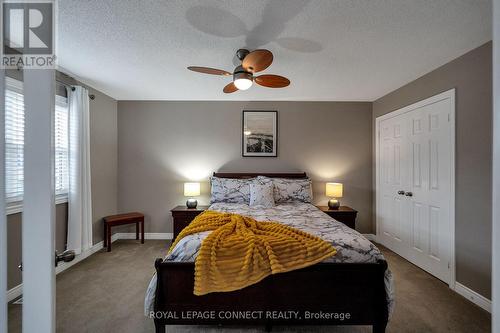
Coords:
pixel 296 175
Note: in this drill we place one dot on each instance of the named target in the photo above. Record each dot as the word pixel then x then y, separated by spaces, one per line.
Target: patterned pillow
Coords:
pixel 230 190
pixel 289 190
pixel 264 180
pixel 261 194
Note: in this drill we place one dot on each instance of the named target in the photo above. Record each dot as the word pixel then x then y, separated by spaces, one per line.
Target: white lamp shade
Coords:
pixel 191 189
pixel 243 83
pixel 334 190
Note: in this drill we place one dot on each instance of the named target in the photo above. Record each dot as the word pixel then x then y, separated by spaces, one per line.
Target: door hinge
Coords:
pixel 449 117
pixel 448 265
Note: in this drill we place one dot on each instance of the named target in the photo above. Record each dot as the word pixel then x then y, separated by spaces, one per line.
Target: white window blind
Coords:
pixel 14 141
pixel 14 145
pixel 61 157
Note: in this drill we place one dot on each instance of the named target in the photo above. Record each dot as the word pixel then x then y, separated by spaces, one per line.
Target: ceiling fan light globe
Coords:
pixel 243 83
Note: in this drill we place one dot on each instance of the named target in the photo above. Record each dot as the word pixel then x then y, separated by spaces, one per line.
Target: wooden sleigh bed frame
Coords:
pixel 322 294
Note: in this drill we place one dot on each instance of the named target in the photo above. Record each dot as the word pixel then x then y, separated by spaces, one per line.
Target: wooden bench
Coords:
pixel 121 219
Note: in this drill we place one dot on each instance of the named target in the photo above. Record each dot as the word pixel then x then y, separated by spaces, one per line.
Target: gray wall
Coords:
pixel 103 155
pixel 163 144
pixel 471 75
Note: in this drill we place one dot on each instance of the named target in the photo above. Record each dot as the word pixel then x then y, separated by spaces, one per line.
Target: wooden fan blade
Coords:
pixel 230 88
pixel 272 81
pixel 257 60
pixel 208 70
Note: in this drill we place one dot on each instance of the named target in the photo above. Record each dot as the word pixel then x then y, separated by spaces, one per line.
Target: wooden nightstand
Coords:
pixel 344 214
pixel 183 216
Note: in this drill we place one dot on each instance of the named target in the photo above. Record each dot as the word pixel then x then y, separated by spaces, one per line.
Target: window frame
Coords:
pixel 15 207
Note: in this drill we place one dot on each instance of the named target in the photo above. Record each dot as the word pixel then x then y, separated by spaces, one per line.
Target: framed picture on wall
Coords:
pixel 260 133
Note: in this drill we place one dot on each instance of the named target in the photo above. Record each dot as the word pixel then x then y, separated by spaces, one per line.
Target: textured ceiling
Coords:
pixel 356 50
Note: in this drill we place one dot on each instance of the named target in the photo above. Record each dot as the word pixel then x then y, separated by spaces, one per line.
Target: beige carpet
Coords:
pixel 105 293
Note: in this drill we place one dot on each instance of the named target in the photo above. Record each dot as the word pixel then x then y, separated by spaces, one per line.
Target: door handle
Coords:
pixel 409 194
pixel 66 256
pixel 401 192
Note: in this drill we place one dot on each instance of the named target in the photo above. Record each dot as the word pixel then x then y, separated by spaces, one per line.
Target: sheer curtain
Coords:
pixel 79 195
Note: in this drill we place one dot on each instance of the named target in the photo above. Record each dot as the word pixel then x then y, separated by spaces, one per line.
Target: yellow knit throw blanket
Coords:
pixel 241 251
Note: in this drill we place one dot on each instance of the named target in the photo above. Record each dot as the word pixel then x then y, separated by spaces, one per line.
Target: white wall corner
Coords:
pixel 496 170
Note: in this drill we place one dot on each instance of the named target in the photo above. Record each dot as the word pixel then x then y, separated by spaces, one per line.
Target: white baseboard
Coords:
pixel 147 235
pixel 371 237
pixel 473 296
pixel 18 290
pixel 14 292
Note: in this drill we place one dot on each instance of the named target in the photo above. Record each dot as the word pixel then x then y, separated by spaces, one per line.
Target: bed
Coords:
pixel 354 287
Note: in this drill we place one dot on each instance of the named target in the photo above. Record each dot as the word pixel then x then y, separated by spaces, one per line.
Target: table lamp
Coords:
pixel 334 191
pixel 191 190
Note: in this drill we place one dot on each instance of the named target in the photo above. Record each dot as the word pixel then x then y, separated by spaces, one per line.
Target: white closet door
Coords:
pixel 394 179
pixel 415 180
pixel 430 179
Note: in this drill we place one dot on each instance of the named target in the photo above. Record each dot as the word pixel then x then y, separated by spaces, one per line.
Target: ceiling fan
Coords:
pixel 243 75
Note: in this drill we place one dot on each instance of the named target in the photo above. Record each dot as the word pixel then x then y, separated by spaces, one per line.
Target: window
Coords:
pixel 61 144
pixel 14 146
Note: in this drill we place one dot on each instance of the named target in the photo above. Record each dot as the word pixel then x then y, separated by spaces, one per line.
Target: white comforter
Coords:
pixel 351 246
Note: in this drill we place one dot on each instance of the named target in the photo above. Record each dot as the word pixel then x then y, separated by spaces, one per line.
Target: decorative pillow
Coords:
pixel 289 190
pixel 230 190
pixel 261 194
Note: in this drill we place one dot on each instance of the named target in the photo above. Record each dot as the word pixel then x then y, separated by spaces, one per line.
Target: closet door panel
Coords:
pixel 394 178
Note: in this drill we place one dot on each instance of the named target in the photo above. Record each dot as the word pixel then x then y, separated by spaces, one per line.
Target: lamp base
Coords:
pixel 333 204
pixel 191 203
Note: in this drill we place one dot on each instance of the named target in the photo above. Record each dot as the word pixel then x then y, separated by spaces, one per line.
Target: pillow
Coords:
pixel 261 194
pixel 289 189
pixel 230 190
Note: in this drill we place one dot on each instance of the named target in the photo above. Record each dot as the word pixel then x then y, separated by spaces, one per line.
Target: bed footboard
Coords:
pixel 322 294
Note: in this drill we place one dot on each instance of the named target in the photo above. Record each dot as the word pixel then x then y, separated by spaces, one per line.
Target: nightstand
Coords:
pixel 183 216
pixel 344 214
